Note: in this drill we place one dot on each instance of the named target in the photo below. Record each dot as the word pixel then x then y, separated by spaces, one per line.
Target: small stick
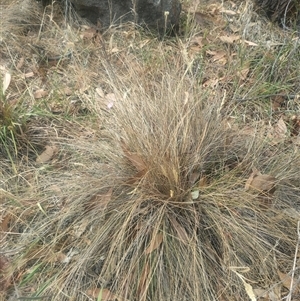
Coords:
pixel 289 296
pixel 287 96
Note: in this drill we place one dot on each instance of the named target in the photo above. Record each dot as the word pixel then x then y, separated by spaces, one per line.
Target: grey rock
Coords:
pixel 162 15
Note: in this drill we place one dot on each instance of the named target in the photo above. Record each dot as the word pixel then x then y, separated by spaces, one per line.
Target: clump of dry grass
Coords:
pixel 161 212
pixel 146 197
pixel 19 17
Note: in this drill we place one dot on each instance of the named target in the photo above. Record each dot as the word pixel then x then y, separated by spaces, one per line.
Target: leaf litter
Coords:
pixel 102 202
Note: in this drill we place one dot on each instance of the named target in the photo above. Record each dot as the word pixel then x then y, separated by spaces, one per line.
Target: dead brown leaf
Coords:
pixel 228 12
pixel 89 34
pixel 203 19
pixel 285 279
pixel 143 283
pixel 280 129
pixel 67 91
pixel 20 62
pixel 4 281
pixel 250 179
pixel 100 92
pixel 40 93
pixel 213 18
pixel 203 182
pixel 230 39
pixel 134 158
pixel 212 82
pixel 106 295
pixel 197 40
pixel 47 154
pixel 261 293
pixel 144 43
pixel 248 288
pixel 196 44
pixel 218 56
pixel 193 177
pixel 182 234
pixel 4 226
pixel 249 43
pixel 106 198
pixel 261 182
pixel 295 125
pixel 99 201
pixel 277 101
pixel 57 257
pixel 29 74
pixel 5 222
pixel 6 81
pixel 80 228
pixel 243 74
pixel 137 177
pixel 154 243
pixel 268 294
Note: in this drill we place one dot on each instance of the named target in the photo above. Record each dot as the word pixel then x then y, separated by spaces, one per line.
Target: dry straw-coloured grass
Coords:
pixel 146 195
pixel 195 241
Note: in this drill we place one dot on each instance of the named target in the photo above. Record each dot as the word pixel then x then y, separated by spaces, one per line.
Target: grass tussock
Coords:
pixel 166 216
pixel 146 194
